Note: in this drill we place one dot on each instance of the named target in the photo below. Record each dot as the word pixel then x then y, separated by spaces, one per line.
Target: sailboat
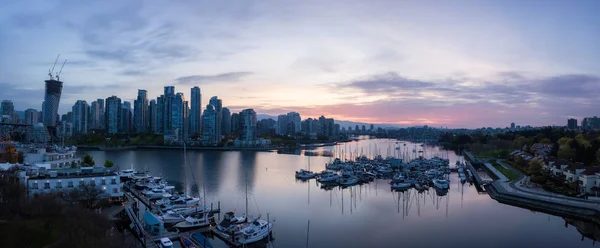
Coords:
pixel 305 174
pixel 232 223
pixel 255 230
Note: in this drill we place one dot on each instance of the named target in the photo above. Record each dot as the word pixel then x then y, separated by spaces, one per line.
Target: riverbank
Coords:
pixel 205 148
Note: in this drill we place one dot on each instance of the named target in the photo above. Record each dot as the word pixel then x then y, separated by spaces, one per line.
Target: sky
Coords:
pixel 439 63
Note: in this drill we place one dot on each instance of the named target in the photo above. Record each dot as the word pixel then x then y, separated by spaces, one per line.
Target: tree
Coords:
pixel 108 164
pixel 88 160
pixel 534 167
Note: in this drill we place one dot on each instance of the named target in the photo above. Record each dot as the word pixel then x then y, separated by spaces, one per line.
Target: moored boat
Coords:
pixel 255 231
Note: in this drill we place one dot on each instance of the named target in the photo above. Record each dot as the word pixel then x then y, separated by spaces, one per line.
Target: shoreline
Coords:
pixel 206 148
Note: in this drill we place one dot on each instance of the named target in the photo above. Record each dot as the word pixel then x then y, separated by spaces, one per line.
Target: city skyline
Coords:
pixel 531 63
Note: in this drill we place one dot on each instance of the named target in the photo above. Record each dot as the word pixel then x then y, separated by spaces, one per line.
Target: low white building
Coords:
pixel 51 160
pixel 41 181
pixel 589 181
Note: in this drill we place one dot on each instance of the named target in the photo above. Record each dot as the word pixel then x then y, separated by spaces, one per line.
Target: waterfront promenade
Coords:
pixel 519 193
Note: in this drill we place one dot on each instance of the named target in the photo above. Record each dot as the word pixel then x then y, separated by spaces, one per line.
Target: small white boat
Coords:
pixel 255 231
pixel 195 222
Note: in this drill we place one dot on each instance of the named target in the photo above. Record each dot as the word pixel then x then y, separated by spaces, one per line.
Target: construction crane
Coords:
pixel 61 68
pixel 52 70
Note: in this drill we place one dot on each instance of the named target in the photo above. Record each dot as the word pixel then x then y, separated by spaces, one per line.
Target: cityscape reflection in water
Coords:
pixel 368 215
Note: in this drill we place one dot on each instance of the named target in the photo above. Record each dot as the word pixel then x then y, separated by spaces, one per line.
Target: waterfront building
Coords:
pixel 178 114
pixel 209 124
pixel 226 121
pixel 94 116
pixel 80 117
pixel 160 107
pixel 141 112
pixel 101 121
pixel 31 116
pixel 152 116
pixel 572 124
pixel 218 106
pixel 113 114
pixel 195 111
pixel 248 128
pixel 296 121
pixel 282 123
pixel 52 95
pixel 235 123
pixel 169 95
pixel 266 127
pixel 38 181
pixel 126 118
pixel 328 126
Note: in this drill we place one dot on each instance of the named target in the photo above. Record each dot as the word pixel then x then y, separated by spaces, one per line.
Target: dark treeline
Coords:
pixel 567 144
pixel 54 220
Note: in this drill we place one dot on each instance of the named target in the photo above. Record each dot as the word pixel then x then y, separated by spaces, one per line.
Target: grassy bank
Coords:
pixel 507 173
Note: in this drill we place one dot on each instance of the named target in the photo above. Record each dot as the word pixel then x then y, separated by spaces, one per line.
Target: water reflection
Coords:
pixel 369 215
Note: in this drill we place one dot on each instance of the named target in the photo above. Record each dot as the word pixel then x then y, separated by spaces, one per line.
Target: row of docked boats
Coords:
pixel 419 173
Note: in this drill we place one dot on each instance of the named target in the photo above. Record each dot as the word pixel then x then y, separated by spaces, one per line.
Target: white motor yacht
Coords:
pixel 171 218
pixel 230 222
pixel 201 220
pixel 255 231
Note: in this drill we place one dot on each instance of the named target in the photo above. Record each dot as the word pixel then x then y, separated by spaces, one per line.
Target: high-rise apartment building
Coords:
pixel 94 116
pixel 218 106
pixel 235 123
pixel 169 95
pixel 195 111
pixel 209 126
pixel 113 114
pixel 31 116
pixel 572 124
pixel 160 114
pixel 225 121
pixel 101 121
pixel 152 117
pixel 178 114
pixel 126 118
pixel 8 109
pixel 141 112
pixel 80 117
pixel 248 128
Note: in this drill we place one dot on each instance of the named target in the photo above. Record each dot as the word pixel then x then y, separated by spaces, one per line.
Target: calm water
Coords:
pixel 360 216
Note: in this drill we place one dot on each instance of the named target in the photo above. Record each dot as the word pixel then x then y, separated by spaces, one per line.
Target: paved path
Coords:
pixel 516 187
pixel 499 174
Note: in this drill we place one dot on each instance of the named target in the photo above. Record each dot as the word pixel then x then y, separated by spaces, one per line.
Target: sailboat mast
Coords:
pixel 246 198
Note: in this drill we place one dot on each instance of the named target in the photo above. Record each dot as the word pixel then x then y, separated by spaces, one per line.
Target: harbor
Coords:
pixel 268 181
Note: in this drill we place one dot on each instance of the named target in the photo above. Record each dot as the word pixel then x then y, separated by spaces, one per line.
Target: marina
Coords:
pixel 311 212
